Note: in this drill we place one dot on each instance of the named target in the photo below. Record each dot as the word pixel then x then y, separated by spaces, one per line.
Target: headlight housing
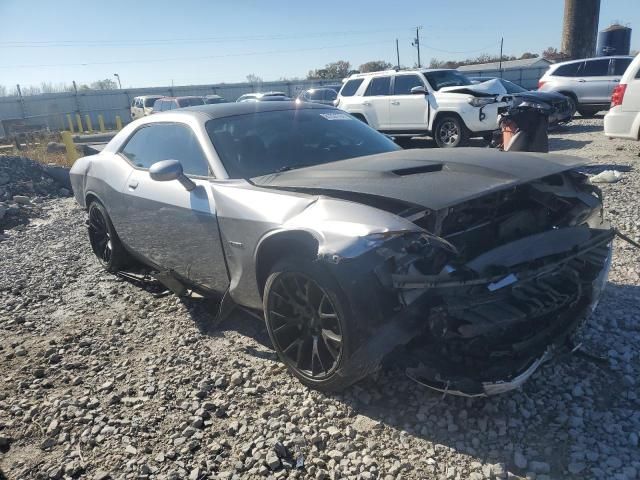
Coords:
pixel 481 101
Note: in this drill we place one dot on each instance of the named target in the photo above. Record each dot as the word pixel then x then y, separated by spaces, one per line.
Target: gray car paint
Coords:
pixel 177 230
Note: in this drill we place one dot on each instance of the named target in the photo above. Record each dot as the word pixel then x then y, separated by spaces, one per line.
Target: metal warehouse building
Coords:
pixel 525 72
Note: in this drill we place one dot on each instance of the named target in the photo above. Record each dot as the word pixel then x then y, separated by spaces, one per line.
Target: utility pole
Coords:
pixel 118 77
pixel 416 43
pixel 398 53
pixel 501 43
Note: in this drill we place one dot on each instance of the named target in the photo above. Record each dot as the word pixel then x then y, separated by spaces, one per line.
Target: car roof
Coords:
pixel 590 58
pixel 220 110
pixel 395 72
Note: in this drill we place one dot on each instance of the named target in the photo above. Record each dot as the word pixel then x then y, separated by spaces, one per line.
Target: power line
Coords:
pixel 179 41
pixel 181 59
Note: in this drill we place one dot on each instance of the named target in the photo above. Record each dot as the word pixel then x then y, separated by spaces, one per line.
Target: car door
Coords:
pixel 170 227
pixel 408 111
pixel 595 82
pixel 375 102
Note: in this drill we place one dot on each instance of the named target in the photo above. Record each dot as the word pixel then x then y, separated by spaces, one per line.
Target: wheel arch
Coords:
pixel 279 244
pixel 447 113
pixel 361 117
pixel 92 197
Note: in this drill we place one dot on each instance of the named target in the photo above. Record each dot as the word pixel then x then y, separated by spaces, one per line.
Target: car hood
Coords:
pixel 488 88
pixel 433 179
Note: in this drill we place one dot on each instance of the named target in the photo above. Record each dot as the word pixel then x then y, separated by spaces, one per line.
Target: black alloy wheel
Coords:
pixel 104 240
pixel 305 325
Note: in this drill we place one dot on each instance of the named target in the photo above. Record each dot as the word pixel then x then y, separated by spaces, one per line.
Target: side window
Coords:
pixel 569 70
pixel 404 83
pixel 316 95
pixel 330 94
pixel 350 88
pixel 378 86
pixel 166 141
pixel 595 68
pixel 158 106
pixel 620 65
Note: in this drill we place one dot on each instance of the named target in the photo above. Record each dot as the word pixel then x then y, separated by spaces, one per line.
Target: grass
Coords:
pixel 35 148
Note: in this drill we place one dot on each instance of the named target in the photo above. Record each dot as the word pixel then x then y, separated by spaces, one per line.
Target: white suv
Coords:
pixel 441 103
pixel 623 119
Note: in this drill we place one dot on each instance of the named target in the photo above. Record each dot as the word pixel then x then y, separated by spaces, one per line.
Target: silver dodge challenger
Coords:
pixel 467 267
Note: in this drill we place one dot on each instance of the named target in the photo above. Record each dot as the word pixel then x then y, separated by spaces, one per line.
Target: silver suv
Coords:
pixel 588 83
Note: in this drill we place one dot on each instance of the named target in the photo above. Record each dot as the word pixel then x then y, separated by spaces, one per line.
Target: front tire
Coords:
pixel 450 132
pixel 308 320
pixel 104 239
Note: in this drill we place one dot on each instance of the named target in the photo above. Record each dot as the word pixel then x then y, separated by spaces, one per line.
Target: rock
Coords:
pixel 576 467
pixel 22 200
pixel 499 471
pixel 519 460
pixel 236 379
pixel 101 475
pixel 131 450
pixel 272 460
pixel 540 467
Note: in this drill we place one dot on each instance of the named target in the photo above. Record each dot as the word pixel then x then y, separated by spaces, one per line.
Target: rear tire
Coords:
pixel 450 132
pixel 104 240
pixel 308 320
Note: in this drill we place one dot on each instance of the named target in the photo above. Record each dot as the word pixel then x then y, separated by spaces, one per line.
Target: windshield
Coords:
pixel 149 101
pixel 266 142
pixel 190 102
pixel 446 78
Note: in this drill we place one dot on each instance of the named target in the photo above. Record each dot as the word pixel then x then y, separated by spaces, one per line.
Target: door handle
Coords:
pixel 133 184
pixel 368 104
pixel 395 102
pixel 582 80
pixel 616 81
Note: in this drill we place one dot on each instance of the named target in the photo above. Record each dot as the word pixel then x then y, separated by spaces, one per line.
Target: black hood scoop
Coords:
pixel 434 178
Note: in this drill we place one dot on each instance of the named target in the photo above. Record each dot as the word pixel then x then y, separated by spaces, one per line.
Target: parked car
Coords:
pixel 350 247
pixel 623 118
pixel 143 106
pixel 441 103
pixel 325 95
pixel 213 99
pixel 588 83
pixel 171 103
pixel 559 106
pixel 263 97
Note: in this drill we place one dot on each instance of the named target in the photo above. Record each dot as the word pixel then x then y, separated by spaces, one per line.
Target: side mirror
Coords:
pixel 167 170
pixel 419 90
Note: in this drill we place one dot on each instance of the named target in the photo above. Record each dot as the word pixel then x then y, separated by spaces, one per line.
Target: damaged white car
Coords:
pixel 479 264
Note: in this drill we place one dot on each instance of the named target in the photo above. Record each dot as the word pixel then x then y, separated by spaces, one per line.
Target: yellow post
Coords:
pixel 79 122
pixel 101 123
pixel 87 120
pixel 118 123
pixel 72 153
pixel 70 123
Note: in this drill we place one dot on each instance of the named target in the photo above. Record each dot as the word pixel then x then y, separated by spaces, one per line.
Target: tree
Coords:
pixel 3 91
pixel 333 71
pixel 375 66
pixel 553 54
pixel 106 84
pixel 528 55
pixel 254 79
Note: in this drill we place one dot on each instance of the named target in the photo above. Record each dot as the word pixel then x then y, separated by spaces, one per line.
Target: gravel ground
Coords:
pixel 100 379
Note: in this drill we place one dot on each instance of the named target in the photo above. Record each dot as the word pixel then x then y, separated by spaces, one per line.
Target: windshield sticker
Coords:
pixel 337 116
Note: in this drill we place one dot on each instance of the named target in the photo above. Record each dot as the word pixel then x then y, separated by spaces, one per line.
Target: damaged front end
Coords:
pixel 498 285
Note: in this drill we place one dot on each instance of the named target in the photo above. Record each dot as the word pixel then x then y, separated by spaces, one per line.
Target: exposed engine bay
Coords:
pixel 518 271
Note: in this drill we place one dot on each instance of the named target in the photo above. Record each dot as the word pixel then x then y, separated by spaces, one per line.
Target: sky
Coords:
pixel 157 43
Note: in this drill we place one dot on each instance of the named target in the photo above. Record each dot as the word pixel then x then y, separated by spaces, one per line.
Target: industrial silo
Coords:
pixel 614 40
